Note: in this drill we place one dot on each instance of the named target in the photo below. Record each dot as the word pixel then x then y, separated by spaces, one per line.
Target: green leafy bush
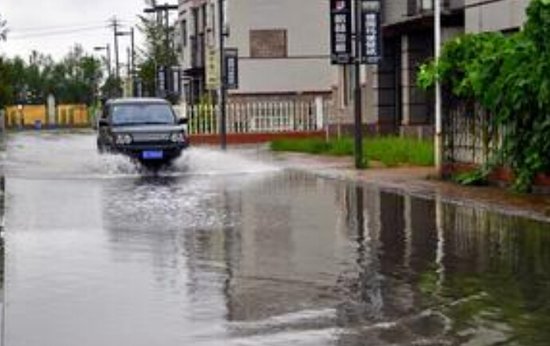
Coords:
pixel 510 77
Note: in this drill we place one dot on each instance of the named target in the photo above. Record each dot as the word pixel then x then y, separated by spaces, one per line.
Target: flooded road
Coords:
pixel 222 249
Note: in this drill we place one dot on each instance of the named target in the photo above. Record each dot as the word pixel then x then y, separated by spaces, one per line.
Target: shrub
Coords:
pixel 510 77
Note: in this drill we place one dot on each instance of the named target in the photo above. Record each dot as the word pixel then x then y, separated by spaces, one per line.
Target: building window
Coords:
pixel 184 33
pixel 268 43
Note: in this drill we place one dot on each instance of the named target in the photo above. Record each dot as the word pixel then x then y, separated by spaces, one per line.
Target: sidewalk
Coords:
pixel 420 181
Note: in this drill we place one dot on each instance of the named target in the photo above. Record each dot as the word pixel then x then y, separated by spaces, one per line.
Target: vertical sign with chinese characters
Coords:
pixel 341 33
pixel 212 69
pixel 371 36
pixel 231 68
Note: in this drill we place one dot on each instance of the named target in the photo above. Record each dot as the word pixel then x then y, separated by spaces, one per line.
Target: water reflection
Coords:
pixel 295 259
pixel 2 246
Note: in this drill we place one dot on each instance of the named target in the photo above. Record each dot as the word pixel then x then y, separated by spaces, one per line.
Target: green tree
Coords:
pixel 73 80
pixel 158 50
pixel 6 87
pixel 509 76
pixel 3 29
pixel 147 73
pixel 112 87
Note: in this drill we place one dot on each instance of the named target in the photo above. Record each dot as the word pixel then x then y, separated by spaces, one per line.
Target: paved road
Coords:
pixel 225 249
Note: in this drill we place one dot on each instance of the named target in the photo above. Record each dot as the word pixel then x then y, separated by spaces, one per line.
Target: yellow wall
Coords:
pixel 30 115
pixel 72 115
pixel 66 115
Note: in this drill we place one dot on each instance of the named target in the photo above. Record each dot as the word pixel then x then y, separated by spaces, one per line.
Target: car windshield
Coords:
pixel 137 114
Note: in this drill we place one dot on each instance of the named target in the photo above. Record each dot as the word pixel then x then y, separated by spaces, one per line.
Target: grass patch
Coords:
pixel 391 151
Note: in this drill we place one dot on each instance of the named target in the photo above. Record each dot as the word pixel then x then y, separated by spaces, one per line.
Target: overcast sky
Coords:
pixel 53 26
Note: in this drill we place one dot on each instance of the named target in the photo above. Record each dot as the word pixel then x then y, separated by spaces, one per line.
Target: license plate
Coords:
pixel 152 154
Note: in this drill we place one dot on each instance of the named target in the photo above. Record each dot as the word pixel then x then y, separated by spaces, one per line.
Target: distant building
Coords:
pixel 283 46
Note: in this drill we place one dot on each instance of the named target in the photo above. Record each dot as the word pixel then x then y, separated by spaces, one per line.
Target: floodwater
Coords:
pixel 225 249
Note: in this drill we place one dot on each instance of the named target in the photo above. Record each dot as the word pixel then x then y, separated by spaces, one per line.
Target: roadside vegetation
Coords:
pixel 391 151
pixel 508 75
pixel 72 80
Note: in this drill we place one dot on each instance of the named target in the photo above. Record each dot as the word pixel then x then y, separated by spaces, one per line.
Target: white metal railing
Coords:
pixel 259 116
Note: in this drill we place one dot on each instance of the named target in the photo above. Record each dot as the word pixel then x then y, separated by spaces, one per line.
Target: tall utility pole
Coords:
pixel 115 26
pixel 438 104
pixel 358 99
pixel 223 91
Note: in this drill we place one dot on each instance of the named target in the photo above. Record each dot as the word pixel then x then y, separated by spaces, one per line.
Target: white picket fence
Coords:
pixel 259 116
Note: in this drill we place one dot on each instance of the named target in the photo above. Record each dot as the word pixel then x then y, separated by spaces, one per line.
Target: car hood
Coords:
pixel 147 128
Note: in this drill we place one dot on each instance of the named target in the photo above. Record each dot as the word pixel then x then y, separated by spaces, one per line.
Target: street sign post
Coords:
pixel 341 32
pixel 371 33
pixel 361 25
pixel 231 68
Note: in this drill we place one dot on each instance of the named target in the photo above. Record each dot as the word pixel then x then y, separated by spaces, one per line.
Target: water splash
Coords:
pixel 74 156
pixel 206 161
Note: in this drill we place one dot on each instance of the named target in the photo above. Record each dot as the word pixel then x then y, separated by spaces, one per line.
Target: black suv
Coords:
pixel 145 129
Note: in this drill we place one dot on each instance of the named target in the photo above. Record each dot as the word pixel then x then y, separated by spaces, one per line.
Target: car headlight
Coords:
pixel 123 139
pixel 177 137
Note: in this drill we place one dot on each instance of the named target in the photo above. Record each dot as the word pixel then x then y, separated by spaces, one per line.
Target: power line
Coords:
pixel 56 33
pixel 77 26
pixel 55 27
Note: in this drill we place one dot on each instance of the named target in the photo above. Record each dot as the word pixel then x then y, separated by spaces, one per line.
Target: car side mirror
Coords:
pixel 102 123
pixel 183 121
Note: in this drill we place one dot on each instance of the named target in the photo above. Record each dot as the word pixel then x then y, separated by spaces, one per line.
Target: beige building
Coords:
pixel 494 15
pixel 391 100
pixel 283 46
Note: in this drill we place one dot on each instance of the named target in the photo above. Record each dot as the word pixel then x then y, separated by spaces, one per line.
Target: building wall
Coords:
pixel 395 11
pixel 398 11
pixel 499 15
pixel 306 67
pixel 391 98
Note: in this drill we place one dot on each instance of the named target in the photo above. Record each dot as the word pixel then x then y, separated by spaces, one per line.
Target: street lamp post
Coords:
pixel 132 54
pixel 107 49
pixel 438 104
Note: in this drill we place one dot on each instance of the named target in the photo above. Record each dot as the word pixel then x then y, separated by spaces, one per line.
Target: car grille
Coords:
pixel 151 137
